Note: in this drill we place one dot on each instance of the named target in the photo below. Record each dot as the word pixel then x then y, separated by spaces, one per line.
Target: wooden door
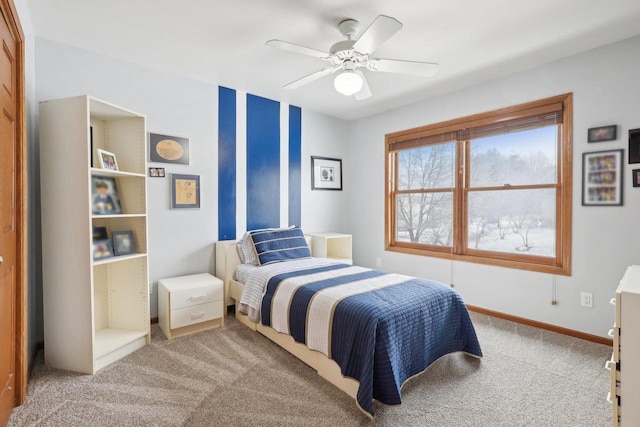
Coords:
pixel 11 213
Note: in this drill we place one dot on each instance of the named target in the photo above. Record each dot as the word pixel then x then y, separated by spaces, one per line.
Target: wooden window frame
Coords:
pixel 459 251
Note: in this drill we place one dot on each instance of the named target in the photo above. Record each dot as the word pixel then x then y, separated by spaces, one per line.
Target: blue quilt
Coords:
pixel 384 335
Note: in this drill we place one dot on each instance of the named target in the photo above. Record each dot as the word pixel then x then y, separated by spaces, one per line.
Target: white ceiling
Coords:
pixel 222 41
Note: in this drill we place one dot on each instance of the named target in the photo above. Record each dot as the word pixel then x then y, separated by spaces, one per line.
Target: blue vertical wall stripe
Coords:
pixel 226 163
pixel 263 162
pixel 295 165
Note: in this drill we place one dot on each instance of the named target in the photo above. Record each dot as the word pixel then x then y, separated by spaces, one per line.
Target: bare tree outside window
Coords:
pixel 426 217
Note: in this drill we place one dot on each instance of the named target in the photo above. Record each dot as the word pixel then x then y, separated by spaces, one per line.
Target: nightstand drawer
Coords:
pixel 193 296
pixel 196 314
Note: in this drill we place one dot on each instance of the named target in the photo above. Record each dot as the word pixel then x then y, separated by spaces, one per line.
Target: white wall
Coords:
pixel 324 210
pixel 181 242
pixel 605 85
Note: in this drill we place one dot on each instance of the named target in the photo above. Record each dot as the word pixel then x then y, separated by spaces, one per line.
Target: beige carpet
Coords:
pixel 233 376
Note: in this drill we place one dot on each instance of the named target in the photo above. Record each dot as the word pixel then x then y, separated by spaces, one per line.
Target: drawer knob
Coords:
pixel 608 363
pixel 197 316
pixel 196 297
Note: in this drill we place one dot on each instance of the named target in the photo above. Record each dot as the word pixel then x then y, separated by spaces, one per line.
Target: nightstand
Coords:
pixel 189 304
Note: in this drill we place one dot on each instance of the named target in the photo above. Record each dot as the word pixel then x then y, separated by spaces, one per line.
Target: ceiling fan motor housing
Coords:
pixel 342 52
pixel 349 28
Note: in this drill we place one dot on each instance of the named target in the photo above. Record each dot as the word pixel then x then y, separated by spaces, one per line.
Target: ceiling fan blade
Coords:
pixel 424 69
pixel 381 29
pixel 311 77
pixel 365 92
pixel 297 49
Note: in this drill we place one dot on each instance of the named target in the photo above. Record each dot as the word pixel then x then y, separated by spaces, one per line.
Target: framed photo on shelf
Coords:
pixel 102 249
pixel 123 242
pixel 168 149
pixel 634 146
pixel 185 191
pixel 107 160
pixel 326 173
pixel 602 178
pixel 603 133
pixel 104 196
pixel 99 233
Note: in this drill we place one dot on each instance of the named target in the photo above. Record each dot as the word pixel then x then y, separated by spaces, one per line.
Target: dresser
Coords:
pixel 625 377
pixel 189 304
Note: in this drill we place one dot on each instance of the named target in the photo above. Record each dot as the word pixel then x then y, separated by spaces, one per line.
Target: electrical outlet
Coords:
pixel 586 299
pixel 378 262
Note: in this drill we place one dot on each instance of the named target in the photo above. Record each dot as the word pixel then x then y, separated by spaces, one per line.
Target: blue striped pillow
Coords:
pixel 280 245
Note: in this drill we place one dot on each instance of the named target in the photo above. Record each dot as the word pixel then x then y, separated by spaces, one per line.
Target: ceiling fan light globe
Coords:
pixel 348 83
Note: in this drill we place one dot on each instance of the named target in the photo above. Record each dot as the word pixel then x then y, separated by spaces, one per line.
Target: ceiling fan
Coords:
pixel 348 57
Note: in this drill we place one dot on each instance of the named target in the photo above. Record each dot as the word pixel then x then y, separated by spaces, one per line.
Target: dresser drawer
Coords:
pixel 196 314
pixel 193 296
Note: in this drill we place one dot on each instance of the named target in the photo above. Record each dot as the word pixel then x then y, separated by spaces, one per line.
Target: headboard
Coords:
pixel 227 259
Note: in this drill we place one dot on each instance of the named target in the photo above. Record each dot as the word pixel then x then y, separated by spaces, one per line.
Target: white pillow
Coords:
pixel 246 250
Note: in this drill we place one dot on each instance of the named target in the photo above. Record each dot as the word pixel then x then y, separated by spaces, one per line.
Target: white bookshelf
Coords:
pixel 95 312
pixel 332 245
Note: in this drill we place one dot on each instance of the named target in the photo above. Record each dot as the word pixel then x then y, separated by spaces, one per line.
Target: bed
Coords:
pixel 363 330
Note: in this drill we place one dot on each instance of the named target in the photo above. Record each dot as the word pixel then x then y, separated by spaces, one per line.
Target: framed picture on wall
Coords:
pixel 634 146
pixel 603 133
pixel 602 178
pixel 156 172
pixel 636 178
pixel 326 173
pixel 185 191
pixel 168 149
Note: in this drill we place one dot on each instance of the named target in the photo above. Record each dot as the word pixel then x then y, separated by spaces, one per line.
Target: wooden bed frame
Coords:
pixel 227 259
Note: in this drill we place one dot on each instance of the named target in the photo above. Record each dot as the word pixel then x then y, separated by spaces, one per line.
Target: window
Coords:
pixel 492 188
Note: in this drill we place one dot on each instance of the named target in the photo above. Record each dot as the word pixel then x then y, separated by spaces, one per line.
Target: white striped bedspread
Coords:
pixel 380 328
